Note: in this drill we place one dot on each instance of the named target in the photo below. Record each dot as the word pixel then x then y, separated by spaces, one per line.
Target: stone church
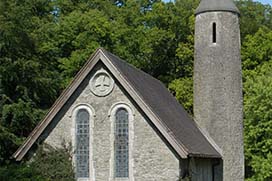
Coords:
pixel 124 125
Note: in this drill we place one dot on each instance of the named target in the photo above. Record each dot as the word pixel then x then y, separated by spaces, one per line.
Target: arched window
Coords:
pixel 121 144
pixel 82 143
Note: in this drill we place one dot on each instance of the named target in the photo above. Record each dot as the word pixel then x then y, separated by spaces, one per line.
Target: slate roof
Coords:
pixel 167 108
pixel 179 129
pixel 216 5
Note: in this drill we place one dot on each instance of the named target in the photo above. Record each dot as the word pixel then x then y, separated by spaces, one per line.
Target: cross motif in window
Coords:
pixel 101 83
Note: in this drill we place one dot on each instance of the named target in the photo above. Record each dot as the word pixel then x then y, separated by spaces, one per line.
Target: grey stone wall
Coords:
pixel 218 87
pixel 152 160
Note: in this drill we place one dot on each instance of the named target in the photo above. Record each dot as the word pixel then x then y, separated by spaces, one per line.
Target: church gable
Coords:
pixel 148 94
pixel 101 95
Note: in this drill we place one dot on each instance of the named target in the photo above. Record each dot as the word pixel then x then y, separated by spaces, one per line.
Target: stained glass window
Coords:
pixel 121 143
pixel 82 143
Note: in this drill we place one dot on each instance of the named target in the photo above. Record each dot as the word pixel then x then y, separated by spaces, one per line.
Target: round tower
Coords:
pixel 218 102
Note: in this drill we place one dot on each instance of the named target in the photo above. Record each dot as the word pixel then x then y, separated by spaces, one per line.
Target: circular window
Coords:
pixel 101 83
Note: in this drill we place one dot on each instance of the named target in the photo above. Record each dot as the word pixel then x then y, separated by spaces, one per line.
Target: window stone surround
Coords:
pixel 111 116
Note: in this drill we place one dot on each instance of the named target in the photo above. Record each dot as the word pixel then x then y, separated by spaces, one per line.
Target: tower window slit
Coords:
pixel 214 33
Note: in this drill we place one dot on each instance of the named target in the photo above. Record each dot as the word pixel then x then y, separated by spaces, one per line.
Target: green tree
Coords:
pixel 258 122
pixel 183 90
pixel 257 75
pixel 43 43
pixel 29 80
pixel 257 48
pixel 253 16
pixel 47 165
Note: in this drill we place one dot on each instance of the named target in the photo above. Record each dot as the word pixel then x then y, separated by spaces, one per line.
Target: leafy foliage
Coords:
pixel 183 90
pixel 253 16
pixel 258 105
pixel 43 43
pixel 257 48
pixel 48 164
pixel 7 140
pixel 258 121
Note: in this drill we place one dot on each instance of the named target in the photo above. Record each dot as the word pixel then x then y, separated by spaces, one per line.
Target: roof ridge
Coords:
pixel 132 66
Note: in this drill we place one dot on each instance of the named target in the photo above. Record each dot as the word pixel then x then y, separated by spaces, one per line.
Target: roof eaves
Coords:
pixel 200 155
pixel 210 140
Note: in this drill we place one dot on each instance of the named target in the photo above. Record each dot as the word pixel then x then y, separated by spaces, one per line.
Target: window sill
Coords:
pixel 121 179
pixel 82 179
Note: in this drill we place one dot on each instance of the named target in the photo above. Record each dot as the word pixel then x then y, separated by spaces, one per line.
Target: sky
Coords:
pixel 266 1
pixel 262 1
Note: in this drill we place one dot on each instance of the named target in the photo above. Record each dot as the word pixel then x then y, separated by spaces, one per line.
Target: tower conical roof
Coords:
pixel 216 5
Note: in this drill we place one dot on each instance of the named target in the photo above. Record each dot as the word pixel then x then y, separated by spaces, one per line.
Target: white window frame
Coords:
pixel 91 112
pixel 131 115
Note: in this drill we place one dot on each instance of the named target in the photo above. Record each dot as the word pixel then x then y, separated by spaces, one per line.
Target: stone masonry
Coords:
pixel 151 159
pixel 218 87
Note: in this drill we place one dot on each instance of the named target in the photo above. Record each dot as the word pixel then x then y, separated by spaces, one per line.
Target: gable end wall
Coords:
pixel 152 159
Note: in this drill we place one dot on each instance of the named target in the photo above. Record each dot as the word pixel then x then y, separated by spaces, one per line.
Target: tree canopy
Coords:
pixel 43 43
